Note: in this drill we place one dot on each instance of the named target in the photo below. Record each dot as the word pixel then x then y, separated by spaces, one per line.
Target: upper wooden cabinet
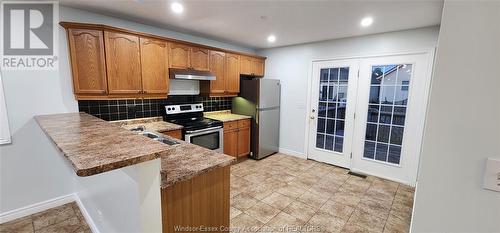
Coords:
pixel 232 73
pixel 251 66
pixel 200 59
pixel 226 67
pixel 179 56
pixel 189 57
pixel 218 67
pixel 154 66
pixel 109 62
pixel 88 64
pixel 123 63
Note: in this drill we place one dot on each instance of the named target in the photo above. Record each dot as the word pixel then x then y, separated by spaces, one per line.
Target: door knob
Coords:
pixel 312 117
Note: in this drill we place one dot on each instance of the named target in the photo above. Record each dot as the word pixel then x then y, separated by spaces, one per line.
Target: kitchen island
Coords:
pixel 194 181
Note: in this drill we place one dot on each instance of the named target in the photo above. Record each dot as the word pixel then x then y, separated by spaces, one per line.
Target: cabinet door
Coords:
pixel 231 142
pixel 232 73
pixel 123 63
pixel 200 59
pixel 88 64
pixel 217 66
pixel 246 65
pixel 258 67
pixel 154 66
pixel 179 56
pixel 244 141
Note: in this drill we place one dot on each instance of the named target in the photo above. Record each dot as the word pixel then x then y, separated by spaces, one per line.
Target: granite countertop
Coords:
pixel 150 123
pixel 95 146
pixel 182 161
pixel 225 116
pixel 187 160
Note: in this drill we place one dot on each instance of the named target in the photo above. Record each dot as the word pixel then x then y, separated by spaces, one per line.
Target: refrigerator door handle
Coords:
pixel 257 117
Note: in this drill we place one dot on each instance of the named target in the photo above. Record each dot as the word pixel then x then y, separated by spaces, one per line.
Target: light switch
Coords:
pixel 492 174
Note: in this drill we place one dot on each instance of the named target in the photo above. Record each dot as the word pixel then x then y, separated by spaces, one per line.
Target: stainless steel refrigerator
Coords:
pixel 260 98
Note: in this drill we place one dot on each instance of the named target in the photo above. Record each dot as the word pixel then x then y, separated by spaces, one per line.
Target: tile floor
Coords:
pixel 280 194
pixel 61 219
pixel 286 194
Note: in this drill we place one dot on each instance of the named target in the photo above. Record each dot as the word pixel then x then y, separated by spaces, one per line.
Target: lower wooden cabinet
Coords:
pixel 173 133
pixel 200 201
pixel 237 138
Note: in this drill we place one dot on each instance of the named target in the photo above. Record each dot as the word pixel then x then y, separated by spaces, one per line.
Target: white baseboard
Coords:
pixel 35 208
pixel 301 155
pixel 86 215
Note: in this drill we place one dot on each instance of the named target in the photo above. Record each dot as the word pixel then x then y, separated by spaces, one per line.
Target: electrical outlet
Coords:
pixel 492 174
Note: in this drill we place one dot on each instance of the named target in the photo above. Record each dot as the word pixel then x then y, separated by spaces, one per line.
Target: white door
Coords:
pixel 390 113
pixel 331 120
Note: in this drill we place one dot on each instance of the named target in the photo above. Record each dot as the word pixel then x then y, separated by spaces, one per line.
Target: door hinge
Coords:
pixel 358 73
pixel 354 115
pixel 351 155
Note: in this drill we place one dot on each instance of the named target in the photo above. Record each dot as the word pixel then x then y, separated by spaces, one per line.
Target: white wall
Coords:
pixel 463 124
pixel 292 65
pixel 31 169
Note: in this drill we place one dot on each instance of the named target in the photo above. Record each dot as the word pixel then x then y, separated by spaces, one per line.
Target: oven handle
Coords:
pixel 203 130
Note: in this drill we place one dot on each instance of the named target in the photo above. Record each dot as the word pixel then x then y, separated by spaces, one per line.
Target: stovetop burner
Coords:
pixel 190 116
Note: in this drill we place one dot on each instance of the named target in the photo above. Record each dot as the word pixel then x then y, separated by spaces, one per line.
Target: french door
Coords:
pixel 384 101
pixel 332 113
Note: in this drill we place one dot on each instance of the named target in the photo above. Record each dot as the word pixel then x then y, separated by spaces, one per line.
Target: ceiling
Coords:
pixel 250 22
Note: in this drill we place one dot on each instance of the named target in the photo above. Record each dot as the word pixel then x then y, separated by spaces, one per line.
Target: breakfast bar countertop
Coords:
pixel 95 146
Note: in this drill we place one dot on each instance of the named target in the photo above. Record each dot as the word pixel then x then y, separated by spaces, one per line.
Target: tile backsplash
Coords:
pixel 111 110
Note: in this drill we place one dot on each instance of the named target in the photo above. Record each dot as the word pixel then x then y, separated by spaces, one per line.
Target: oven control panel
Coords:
pixel 183 108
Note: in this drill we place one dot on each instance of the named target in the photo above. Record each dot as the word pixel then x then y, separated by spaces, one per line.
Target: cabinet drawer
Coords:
pixel 244 123
pixel 230 125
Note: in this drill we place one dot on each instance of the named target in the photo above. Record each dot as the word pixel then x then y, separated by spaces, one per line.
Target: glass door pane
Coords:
pixel 389 88
pixel 332 103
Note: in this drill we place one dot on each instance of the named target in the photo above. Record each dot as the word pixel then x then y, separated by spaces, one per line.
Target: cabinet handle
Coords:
pixel 139 92
pixel 144 92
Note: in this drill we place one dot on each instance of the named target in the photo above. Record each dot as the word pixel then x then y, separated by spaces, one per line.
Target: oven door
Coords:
pixel 211 138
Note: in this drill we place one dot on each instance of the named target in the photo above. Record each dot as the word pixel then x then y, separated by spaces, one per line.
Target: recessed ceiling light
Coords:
pixel 177 7
pixel 271 38
pixel 367 21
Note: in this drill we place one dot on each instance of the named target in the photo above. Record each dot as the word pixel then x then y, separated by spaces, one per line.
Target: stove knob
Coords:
pixel 169 109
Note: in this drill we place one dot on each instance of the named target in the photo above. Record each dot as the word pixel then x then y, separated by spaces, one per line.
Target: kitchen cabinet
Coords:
pixel 188 57
pixel 86 48
pixel 174 133
pixel 251 66
pixel 226 67
pixel 114 63
pixel 232 73
pixel 237 138
pixel 154 66
pixel 200 201
pixel 123 63
pixel 200 59
pixel 179 56
pixel 218 68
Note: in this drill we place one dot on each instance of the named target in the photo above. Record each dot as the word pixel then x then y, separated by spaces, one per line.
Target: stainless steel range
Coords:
pixel 197 130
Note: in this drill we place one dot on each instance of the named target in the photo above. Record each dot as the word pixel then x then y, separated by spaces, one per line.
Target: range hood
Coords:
pixel 190 74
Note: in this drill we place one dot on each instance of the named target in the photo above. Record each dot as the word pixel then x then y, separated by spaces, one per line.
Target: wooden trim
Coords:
pixel 119 96
pixel 67 25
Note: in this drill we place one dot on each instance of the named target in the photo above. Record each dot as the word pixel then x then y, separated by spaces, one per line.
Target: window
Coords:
pixel 387 112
